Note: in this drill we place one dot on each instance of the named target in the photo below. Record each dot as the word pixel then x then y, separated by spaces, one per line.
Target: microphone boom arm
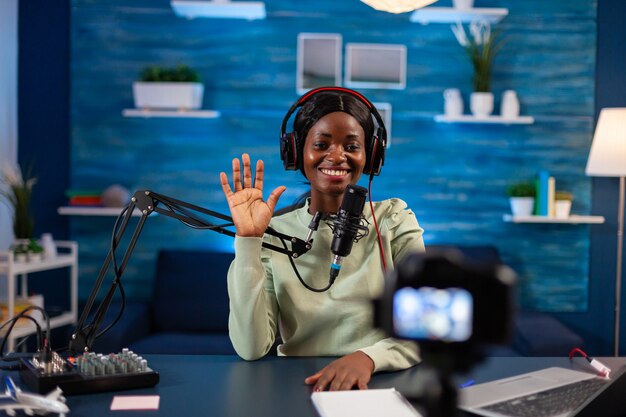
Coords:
pixel 148 202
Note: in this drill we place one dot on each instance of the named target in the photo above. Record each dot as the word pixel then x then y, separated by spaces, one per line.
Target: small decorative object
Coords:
pixel 176 88
pixel 481 48
pixel 49 248
pixel 522 198
pixel 397 6
pixel 20 252
pixel 463 4
pixel 35 251
pixel 453 102
pixel 562 204
pixel 17 190
pixel 115 196
pixel 509 107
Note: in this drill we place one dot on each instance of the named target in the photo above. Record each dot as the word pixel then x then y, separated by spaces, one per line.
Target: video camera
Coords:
pixel 454 308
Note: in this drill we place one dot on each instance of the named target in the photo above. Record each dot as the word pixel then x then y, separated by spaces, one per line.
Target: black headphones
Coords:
pixel 374 148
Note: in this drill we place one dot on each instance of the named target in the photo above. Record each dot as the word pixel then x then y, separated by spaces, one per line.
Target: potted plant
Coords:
pixel 17 191
pixel 562 204
pixel 20 252
pixel 522 198
pixel 481 48
pixel 35 251
pixel 168 88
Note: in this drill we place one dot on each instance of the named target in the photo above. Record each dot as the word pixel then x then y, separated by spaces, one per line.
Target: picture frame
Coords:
pixel 319 61
pixel 375 66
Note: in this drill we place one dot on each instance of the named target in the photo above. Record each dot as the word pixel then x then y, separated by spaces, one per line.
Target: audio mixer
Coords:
pixel 89 372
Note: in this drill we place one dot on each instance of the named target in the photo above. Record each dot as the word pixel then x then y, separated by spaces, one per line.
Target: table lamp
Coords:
pixel 607 158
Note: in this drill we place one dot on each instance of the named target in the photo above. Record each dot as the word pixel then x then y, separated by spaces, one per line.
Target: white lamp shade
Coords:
pixel 397 6
pixel 607 157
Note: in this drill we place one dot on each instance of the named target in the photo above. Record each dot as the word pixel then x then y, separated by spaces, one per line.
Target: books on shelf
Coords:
pixel 84 198
pixel 544 195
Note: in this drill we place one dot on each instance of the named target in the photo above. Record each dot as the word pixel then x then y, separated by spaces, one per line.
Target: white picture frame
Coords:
pixel 370 65
pixel 384 109
pixel 318 61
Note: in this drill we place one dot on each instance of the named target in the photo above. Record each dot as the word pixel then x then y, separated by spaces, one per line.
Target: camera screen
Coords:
pixel 427 313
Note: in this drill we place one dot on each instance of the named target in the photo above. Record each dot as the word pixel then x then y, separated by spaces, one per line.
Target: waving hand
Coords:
pixel 250 213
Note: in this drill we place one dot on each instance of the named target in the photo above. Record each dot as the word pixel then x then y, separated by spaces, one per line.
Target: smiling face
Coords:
pixel 333 157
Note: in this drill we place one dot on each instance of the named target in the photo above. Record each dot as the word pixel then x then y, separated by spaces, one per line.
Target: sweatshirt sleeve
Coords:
pixel 392 354
pixel 405 235
pixel 253 314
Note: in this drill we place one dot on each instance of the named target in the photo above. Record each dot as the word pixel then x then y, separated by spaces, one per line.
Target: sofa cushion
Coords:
pixel 190 292
pixel 539 334
pixel 477 253
pixel 171 343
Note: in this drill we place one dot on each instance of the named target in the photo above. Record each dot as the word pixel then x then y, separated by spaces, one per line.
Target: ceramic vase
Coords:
pixel 49 248
pixel 453 103
pixel 509 107
pixel 463 4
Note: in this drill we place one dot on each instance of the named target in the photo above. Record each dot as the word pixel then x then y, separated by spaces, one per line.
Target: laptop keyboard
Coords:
pixel 550 402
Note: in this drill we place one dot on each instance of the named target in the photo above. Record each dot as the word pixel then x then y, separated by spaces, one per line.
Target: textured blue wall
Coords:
pixel 453 176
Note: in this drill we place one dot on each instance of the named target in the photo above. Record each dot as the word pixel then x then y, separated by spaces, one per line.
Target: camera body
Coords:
pixel 447 303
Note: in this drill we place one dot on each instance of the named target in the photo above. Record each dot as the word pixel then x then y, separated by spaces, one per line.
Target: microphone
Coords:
pixel 347 227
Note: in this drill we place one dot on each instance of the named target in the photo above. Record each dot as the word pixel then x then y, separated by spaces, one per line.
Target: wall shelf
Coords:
pixel 146 113
pixel 468 118
pixel 452 15
pixel 573 219
pixel 222 9
pixel 93 211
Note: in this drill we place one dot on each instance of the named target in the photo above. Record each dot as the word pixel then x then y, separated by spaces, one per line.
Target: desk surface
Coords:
pixel 274 386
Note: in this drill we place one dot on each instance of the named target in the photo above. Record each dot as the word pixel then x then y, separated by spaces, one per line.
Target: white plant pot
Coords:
pixel 481 104
pixel 157 95
pixel 35 257
pixel 562 208
pixel 522 206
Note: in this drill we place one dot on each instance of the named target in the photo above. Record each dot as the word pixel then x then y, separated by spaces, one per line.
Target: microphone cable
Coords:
pixel 116 272
pixel 295 270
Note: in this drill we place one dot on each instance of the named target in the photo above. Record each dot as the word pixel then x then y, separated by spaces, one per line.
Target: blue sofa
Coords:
pixel 188 312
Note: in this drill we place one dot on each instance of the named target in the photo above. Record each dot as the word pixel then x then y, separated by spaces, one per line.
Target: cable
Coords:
pixel 295 270
pixel 11 323
pixel 379 239
pixel 602 369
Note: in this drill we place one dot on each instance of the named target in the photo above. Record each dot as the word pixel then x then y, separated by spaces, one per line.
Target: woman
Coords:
pixel 332 130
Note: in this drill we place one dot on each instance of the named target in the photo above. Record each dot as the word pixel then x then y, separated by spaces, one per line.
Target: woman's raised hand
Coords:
pixel 250 213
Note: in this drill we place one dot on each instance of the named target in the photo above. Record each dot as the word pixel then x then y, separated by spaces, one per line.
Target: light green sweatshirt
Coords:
pixel 265 292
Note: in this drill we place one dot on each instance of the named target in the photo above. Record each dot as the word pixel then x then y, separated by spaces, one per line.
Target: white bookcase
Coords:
pixel 12 271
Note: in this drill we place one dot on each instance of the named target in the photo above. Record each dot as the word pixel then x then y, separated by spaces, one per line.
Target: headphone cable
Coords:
pixel 379 239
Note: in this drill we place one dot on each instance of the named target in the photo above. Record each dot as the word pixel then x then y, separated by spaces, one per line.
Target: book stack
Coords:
pixel 84 198
pixel 545 190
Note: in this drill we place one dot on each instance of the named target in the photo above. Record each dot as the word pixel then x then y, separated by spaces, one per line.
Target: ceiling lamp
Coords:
pixel 224 9
pixel 397 6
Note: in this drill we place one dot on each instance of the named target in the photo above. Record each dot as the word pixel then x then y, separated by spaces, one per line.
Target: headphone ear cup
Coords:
pixel 289 151
pixel 377 156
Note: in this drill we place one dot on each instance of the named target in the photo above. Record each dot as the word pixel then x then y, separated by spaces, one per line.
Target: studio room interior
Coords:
pixel 477 107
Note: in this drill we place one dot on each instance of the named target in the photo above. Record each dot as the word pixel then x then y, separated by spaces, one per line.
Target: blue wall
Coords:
pixel 453 176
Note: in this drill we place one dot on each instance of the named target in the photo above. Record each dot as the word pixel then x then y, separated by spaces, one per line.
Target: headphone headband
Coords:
pixel 376 146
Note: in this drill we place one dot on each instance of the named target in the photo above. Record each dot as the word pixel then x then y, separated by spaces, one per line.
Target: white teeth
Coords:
pixel 334 172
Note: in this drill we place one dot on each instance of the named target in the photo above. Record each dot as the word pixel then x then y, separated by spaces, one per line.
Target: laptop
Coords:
pixel 549 392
